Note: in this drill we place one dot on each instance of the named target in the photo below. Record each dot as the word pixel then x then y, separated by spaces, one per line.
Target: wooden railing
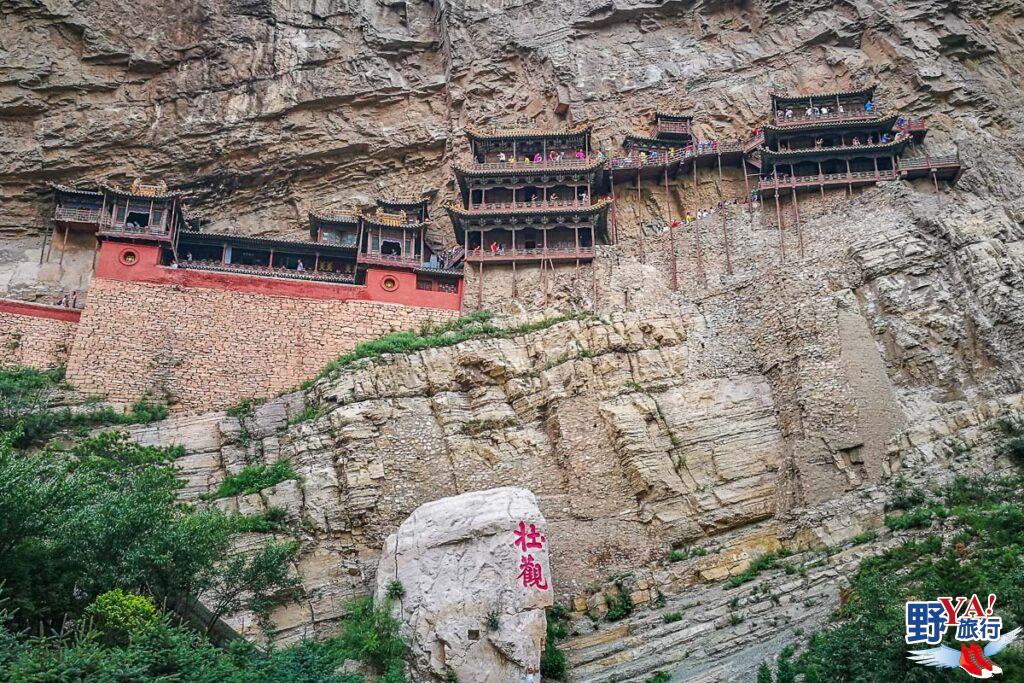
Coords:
pixel 570 252
pixel 673 127
pixel 267 271
pixel 827 179
pixel 666 158
pixel 453 258
pixel 389 259
pixel 68 215
pixel 532 206
pixel 919 162
pixel 107 225
pixel 544 164
pixel 753 143
pixel 800 118
pixel 911 124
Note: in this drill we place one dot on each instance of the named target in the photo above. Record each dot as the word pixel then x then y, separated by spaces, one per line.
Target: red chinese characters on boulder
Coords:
pixel 531 573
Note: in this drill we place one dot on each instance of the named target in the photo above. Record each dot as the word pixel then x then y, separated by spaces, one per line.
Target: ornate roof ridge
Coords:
pixel 775 94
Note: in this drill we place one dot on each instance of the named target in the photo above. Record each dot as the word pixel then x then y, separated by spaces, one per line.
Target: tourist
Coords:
pixel 583 198
pixel 778 113
pixel 561 156
pixel 580 156
pixel 869 105
pixel 537 158
pixel 643 158
pixel 884 139
pixel 188 256
pixel 841 110
pixel 63 301
pixel 789 113
pixel 654 156
pixel 553 197
pixel 870 140
pixel 671 152
pixel 901 122
pixel 526 160
pixel 299 267
pixel 494 247
pixel 600 155
pixel 501 157
pixel 824 111
pixel 552 155
pixel 856 141
pixel 818 143
pixel 809 111
pixel 74 298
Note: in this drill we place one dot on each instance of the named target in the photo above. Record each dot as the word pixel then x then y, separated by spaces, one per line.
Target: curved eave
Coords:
pixel 768 155
pixel 648 140
pixel 371 223
pixel 481 135
pixel 56 187
pixel 600 209
pixel 402 204
pixel 526 169
pixel 790 98
pixel 886 122
pixel 131 195
pixel 335 219
pixel 671 116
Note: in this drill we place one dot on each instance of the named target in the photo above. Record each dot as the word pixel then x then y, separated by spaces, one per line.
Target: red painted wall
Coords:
pixel 70 315
pixel 146 268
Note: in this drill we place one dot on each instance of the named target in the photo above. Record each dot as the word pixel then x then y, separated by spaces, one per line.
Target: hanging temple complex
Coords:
pixel 528 201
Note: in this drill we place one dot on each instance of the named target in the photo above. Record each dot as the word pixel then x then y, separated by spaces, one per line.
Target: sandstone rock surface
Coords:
pixel 476 579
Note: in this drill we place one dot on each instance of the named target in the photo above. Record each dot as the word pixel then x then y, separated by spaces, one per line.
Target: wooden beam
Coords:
pixel 778 214
pixel 725 239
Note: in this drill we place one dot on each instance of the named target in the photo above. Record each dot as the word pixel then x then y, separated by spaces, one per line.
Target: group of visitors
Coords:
pixel 539 158
pixel 814 111
pixel 69 300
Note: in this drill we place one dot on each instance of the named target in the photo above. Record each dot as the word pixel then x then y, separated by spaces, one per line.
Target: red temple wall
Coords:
pixel 204 340
pixel 35 335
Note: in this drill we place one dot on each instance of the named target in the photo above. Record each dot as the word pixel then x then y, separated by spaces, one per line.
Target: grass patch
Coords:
pixel 659 677
pixel 672 617
pixel 681 554
pixel 253 478
pixel 866 537
pixel 308 414
pixel 474 326
pixel 552 660
pixel 264 522
pixel 620 605
pixel 762 563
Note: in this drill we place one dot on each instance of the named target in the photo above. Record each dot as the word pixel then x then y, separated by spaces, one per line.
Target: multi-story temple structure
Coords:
pixel 529 196
pixel 380 249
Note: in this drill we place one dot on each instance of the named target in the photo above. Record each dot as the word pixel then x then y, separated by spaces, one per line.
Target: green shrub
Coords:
pixel 253 478
pixel 264 522
pixel 865 537
pixel 620 605
pixel 552 659
pixel 659 677
pixel 760 564
pixel 118 615
pixel 493 620
pixel 673 617
pixel 370 634
pixel 918 517
pixel 764 673
pixel 396 591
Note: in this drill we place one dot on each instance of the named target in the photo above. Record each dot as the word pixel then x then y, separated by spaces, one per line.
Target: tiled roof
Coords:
pixel 524 169
pixel 74 190
pixel 497 133
pixel 130 193
pixel 886 122
pixel 672 116
pixel 767 154
pixel 867 90
pixel 336 217
pixel 596 207
pixel 262 241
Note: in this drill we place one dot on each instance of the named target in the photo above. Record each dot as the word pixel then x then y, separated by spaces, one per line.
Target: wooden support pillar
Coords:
pixel 874 160
pixel 480 282
pixel 515 288
pixel 640 216
pixel 64 243
pixel 821 180
pixel 719 165
pixel 725 240
pixel 615 228
pixel 849 178
pixel 671 233
pixel 746 186
pixel 46 236
pixel 700 252
pixel 799 231
pixel 778 215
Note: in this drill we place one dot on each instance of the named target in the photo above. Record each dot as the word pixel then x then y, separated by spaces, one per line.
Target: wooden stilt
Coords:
pixel 480 281
pixel 700 254
pixel 671 234
pixel 46 237
pixel 64 244
pixel 725 239
pixel 615 229
pixel 640 216
pixel 515 288
pixel 746 187
pixel 799 232
pixel 782 235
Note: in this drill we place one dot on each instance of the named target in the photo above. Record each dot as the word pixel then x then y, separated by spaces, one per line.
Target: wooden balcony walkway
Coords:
pixel 535 255
pixel 76 216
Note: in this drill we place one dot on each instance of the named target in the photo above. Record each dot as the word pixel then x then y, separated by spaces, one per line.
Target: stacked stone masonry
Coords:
pixel 36 342
pixel 202 349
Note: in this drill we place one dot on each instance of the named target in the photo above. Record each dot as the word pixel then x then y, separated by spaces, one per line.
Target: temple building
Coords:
pixel 670 132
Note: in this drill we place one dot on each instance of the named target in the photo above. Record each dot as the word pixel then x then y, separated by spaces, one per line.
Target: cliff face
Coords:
pixel 262 109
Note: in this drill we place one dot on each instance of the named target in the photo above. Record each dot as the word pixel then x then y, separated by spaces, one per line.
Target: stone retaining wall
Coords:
pixel 203 349
pixel 35 335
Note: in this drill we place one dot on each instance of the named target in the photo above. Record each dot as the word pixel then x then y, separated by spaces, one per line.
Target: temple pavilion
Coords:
pixel 528 195
pixel 143 211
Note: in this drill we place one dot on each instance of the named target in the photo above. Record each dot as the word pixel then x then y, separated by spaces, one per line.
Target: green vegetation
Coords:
pixel 673 617
pixel 396 591
pixel 762 563
pixel 474 326
pixel 866 537
pixel 253 478
pixel 681 554
pixel 620 605
pixel 659 677
pixel 25 395
pixel 986 555
pixel 100 566
pixel 493 620
pixel 308 414
pixel 552 660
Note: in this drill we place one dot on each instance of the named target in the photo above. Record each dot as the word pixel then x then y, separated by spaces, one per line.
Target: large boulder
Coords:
pixel 475 574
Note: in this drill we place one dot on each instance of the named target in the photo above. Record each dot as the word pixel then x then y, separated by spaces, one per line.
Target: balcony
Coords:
pixel 854 177
pixel 543 165
pixel 913 163
pixel 566 253
pixel 531 206
pixel 267 271
pixel 395 260
pixel 800 118
pixel 109 227
pixel 69 215
pixel 673 127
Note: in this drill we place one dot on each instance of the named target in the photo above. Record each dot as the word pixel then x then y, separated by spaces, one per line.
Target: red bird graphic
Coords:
pixel 971 658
